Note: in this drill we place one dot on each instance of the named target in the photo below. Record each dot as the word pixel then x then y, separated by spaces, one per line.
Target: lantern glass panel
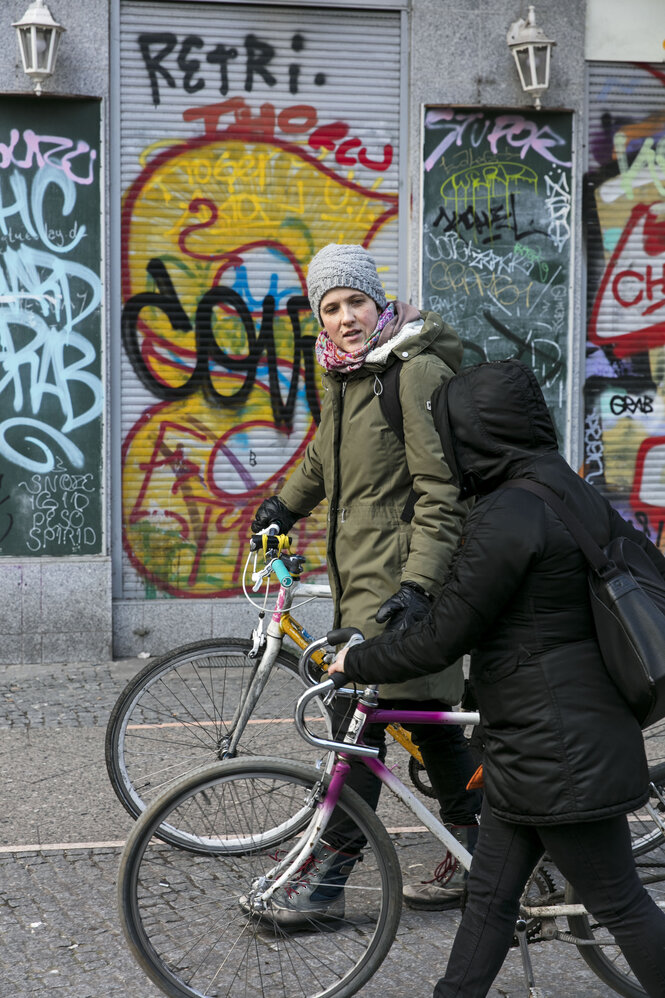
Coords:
pixel 541 61
pixel 523 67
pixel 42 47
pixel 26 48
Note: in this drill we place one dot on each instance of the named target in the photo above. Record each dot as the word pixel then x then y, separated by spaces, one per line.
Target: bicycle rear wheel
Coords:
pixel 645 832
pixel 175 716
pixel 600 951
pixel 186 917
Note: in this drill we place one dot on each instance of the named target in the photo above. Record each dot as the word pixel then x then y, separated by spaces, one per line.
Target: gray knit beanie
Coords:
pixel 340 265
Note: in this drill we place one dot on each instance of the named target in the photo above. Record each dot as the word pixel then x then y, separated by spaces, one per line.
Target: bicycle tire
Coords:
pixel 172 717
pixel 646 834
pixel 420 779
pixel 604 956
pixel 186 919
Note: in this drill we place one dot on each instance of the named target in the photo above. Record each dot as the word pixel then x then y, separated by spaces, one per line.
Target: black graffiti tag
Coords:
pixel 162 52
pixel 210 354
pixel 626 403
pixel 493 222
pixel 7 518
pixel 551 366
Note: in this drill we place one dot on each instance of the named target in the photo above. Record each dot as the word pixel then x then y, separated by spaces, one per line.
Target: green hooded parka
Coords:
pixel 357 462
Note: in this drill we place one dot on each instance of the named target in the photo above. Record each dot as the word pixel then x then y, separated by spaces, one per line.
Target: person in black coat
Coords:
pixel 564 756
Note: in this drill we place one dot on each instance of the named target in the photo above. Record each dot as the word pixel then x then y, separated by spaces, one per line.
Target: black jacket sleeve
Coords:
pixel 503 536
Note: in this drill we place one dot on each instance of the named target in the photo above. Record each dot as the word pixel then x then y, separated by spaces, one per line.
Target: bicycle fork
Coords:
pixel 325 802
pixel 228 747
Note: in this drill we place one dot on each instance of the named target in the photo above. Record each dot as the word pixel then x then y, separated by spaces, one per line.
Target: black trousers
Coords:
pixel 448 760
pixel 594 856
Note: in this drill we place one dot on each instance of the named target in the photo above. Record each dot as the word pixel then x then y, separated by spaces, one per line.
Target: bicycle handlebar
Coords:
pixel 343 635
pixel 335 681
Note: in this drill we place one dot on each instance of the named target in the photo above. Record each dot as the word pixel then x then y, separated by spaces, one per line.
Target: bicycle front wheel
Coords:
pixel 177 714
pixel 187 919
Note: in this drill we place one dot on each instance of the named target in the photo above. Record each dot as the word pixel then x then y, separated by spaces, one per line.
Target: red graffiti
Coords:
pixel 629 311
pixel 646 495
pixel 299 119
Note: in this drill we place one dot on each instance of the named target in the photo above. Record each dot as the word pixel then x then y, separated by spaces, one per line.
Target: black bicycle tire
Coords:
pixel 121 780
pixel 581 925
pixel 656 838
pixel 593 956
pixel 416 769
pixel 147 825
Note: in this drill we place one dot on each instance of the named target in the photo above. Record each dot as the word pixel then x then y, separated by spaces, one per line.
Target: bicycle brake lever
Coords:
pixel 258 577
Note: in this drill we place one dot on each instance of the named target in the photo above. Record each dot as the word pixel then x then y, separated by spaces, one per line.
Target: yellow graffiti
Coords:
pixel 194 472
pixel 481 183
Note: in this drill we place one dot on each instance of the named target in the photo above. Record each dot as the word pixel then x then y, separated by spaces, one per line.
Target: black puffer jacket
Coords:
pixel 561 744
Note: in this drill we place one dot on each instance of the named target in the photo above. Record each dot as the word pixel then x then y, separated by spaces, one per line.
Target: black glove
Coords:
pixel 409 605
pixel 273 510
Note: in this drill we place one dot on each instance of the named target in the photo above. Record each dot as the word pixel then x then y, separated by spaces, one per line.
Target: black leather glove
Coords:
pixel 273 510
pixel 409 605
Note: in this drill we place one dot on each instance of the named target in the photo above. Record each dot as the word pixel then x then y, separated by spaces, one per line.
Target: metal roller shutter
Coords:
pixel 250 137
pixel 624 219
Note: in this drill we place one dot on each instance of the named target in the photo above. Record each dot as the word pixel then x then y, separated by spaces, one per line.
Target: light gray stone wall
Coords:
pixel 156 626
pixel 55 610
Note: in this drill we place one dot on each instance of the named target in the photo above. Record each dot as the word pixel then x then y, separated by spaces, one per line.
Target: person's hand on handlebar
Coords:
pixel 338 664
pixel 273 510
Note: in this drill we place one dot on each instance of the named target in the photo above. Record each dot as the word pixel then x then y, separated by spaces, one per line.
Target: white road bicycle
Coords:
pixel 224 697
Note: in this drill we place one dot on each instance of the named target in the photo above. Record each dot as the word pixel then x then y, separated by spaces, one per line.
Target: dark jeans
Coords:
pixel 447 758
pixel 594 856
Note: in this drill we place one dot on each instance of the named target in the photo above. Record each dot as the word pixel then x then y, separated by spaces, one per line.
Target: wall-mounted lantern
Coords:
pixel 532 51
pixel 38 39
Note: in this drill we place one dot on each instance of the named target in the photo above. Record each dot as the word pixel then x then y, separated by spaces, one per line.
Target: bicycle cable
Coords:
pixel 294 606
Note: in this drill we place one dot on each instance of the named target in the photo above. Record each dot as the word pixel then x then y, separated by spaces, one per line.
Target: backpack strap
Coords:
pixel 593 553
pixel 391 407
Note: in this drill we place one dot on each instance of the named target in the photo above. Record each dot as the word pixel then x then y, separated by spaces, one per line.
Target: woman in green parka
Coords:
pixel 394 518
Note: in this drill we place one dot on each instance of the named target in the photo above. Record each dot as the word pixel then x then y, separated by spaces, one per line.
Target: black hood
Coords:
pixel 492 420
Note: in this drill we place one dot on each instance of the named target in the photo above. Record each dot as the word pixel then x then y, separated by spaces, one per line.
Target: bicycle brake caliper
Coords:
pixel 314 795
pixel 258 640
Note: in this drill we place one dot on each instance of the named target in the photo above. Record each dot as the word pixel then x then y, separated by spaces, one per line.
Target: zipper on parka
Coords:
pixel 333 509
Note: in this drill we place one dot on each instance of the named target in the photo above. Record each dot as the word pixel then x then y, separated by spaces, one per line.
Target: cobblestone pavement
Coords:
pixel 60 840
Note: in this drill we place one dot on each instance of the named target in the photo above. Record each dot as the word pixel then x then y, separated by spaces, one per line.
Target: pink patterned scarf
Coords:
pixel 392 319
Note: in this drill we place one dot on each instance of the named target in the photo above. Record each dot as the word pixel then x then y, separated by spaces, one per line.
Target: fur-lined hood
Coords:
pixel 429 332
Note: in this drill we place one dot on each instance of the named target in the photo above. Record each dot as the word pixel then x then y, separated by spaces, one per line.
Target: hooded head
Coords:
pixel 340 265
pixel 492 419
